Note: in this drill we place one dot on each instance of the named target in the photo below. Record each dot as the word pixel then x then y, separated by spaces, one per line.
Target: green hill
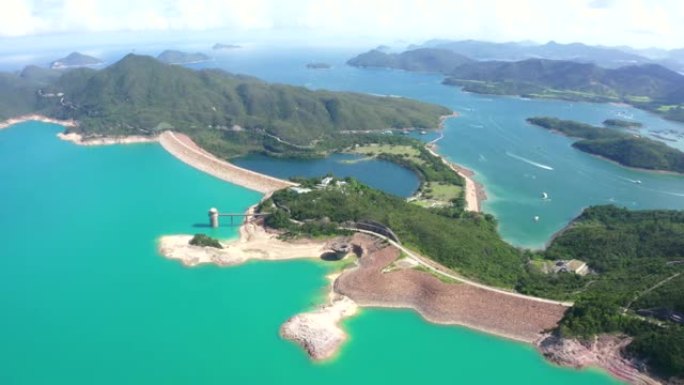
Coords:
pixel 626 149
pixel 229 114
pixel 637 258
pixel 17 96
pixel 422 60
pixel 75 59
pixel 644 86
pixel 179 57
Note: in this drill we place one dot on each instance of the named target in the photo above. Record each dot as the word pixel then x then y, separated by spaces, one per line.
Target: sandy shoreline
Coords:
pixel 104 140
pixel 38 118
pixel 183 148
pixel 254 243
pixel 474 191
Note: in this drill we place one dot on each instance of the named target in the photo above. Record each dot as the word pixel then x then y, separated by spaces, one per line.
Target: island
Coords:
pixel 179 57
pixel 647 86
pixel 75 60
pixel 422 60
pixel 318 66
pixel 224 47
pixel 624 148
pixel 622 123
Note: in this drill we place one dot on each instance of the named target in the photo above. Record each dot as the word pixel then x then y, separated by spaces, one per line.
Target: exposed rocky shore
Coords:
pixel 603 351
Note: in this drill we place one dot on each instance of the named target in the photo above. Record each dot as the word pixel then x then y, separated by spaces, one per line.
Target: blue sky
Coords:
pixel 640 23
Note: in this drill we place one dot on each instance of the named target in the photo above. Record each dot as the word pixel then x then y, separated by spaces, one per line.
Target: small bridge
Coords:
pixel 214 215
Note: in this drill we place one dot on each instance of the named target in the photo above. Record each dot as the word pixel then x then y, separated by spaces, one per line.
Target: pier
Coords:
pixel 214 216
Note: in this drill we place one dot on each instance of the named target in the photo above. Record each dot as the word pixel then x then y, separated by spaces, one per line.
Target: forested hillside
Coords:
pixel 626 149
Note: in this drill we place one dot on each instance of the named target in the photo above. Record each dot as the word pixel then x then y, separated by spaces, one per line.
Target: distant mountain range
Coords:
pixel 646 85
pixel 224 47
pixel 609 57
pixel 179 57
pixel 74 60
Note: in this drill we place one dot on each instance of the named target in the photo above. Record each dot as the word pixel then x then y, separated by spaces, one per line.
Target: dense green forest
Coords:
pixel 139 94
pixel 420 60
pixel 629 254
pixel 469 243
pixel 626 149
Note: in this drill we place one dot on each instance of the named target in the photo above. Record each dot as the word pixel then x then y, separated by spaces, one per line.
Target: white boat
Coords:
pixel 545 195
pixel 536 218
pixel 637 181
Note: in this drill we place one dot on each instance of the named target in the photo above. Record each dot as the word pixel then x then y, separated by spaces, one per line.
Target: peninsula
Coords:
pixel 624 148
pixel 458 271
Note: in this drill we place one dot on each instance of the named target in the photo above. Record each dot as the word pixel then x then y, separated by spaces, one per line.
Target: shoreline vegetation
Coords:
pixel 475 193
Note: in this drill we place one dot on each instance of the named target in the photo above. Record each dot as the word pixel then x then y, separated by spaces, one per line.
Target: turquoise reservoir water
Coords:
pixel 514 160
pixel 85 298
pixel 380 174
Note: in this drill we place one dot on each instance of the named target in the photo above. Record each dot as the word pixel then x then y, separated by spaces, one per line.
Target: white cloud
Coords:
pixel 610 22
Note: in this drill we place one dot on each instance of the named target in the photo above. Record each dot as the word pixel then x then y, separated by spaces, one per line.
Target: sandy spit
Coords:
pixel 254 243
pixel 474 192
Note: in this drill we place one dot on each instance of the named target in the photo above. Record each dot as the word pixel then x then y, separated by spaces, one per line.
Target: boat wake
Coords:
pixel 528 161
